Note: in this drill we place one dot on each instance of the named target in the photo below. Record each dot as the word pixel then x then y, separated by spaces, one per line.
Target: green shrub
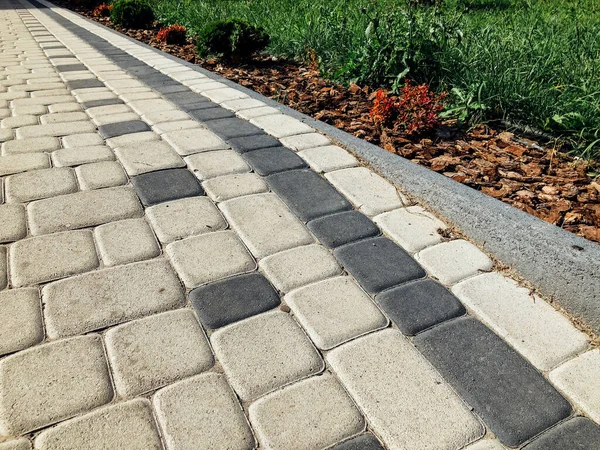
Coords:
pixel 132 14
pixel 231 39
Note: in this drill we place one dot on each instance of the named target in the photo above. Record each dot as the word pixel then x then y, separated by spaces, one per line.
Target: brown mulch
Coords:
pixel 533 177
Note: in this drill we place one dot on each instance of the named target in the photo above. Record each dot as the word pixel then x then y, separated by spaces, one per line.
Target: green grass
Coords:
pixel 535 62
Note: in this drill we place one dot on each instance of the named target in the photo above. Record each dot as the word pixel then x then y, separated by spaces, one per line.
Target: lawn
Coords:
pixel 529 62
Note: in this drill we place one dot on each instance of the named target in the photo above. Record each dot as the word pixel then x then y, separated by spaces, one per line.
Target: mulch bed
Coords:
pixel 529 175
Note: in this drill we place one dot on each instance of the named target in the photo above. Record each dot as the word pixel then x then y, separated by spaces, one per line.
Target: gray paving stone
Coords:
pixel 36 184
pixel 213 164
pixel 419 305
pixel 52 382
pixel 67 157
pixel 150 156
pixel 272 160
pixel 82 209
pixel 342 228
pixel 314 413
pixel 149 353
pixel 578 433
pixel 205 114
pixel 164 185
pixel 378 264
pixel 102 102
pixel 307 194
pixel 127 425
pixel 194 140
pixel 230 186
pixel 513 399
pixel 71 67
pixel 232 128
pixel 21 318
pixel 362 442
pixel 202 412
pixel 107 297
pixel 14 225
pixel 223 302
pixel 33 145
pixel 263 353
pixel 84 84
pixel 112 130
pixel 248 143
pixel 126 241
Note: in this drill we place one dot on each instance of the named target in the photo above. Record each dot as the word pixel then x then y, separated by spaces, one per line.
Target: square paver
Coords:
pixel 334 311
pixel 150 156
pixel 265 352
pixel 213 164
pixel 100 175
pixel 227 187
pixel 21 318
pixel 155 351
pixel 235 298
pixel 313 413
pixel 272 160
pixel 112 130
pixel 184 218
pixel 328 158
pixel 38 184
pixel 164 185
pixel 194 140
pixel 126 241
pixel 342 228
pixel 209 257
pixel 14 225
pixel 232 128
pixel 248 143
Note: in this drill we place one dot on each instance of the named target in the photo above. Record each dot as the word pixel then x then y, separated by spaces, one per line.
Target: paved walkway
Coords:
pixel 184 267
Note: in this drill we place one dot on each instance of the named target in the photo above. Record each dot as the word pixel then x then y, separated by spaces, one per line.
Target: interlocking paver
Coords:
pixel 63 117
pixel 313 413
pixel 19 121
pixel 501 386
pixel 36 110
pixel 127 425
pixel 52 382
pixel 14 225
pixel 150 156
pixel 116 129
pixel 84 84
pixel 100 175
pixel 45 258
pixel 342 228
pixel 203 114
pixel 486 444
pixel 107 297
pixel 184 218
pixel 126 241
pixel 232 128
pixel 280 125
pixel 116 118
pixel 265 224
pixel 245 296
pixel 55 129
pixel 38 184
pixel 149 353
pixel 254 142
pixel 75 156
pixel 213 164
pixel 230 186
pixel 39 144
pixel 577 433
pixel 406 402
pixel 362 442
pixel 257 112
pixel 62 107
pixel 133 138
pixel 328 158
pixel 202 412
pixel 209 257
pixel 82 209
pixel 18 444
pixel 263 353
pixel 272 160
pixel 103 102
pixel 164 185
pixel 194 140
pixel 299 266
pixel 82 140
pixel 178 125
pixel 335 311
pixel 21 318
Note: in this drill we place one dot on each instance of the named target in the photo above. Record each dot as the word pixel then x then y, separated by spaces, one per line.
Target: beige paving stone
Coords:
pixel 92 96
pixel 486 444
pixel 578 380
pixel 166 127
pixel 33 145
pixel 124 117
pixel 101 175
pixel 64 117
pixel 107 110
pixel 52 382
pixel 299 266
pixel 126 241
pixel 53 99
pixel 64 107
pixel 150 353
pixel 82 209
pixel 264 353
pixel 406 402
pixel 281 125
pixel 128 425
pixel 183 218
pixel 75 156
pixel 45 258
pixel 334 311
pixel 108 297
pixel 453 261
pixel 209 257
pixel 151 105
pixel 55 129
pixel 6 135
pixel 241 104
pixel 227 187
pixel 412 228
pixel 21 318
pixel 149 156
pixel 5 112
pixel 533 327
pixel 194 140
pixel 36 184
pixel 18 444
pixel 19 121
pixel 248 114
pixel 82 140
pixel 213 164
pixel 328 158
pixel 224 94
pixel 171 115
pixel 133 138
pixel 134 96
pixel 202 412
pixel 314 413
pixel 35 110
pixel 265 224
pixel 14 224
pixel 369 192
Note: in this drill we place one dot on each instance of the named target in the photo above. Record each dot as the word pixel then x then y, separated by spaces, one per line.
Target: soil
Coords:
pixel 532 176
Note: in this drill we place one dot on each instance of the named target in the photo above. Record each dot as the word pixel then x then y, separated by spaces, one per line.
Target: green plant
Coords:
pixel 231 39
pixel 132 14
pixel 464 107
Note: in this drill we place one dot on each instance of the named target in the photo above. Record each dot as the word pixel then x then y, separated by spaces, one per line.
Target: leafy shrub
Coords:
pixel 103 10
pixel 231 39
pixel 132 13
pixel 383 111
pixel 175 34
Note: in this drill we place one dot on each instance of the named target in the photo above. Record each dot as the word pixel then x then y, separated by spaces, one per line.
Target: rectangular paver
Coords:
pixel 21 318
pixel 38 184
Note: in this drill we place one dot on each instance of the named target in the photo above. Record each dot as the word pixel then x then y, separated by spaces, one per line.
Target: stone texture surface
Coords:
pixel 31 145
pixel 145 157
pixel 227 187
pixel 10 164
pixel 75 156
pixel 14 225
pixel 270 160
pixel 126 241
pixel 37 184
pixel 577 433
pixel 213 164
pixel 342 228
pixel 165 185
pixel 100 175
pixel 364 441
pixel 280 125
pixel 21 318
pixel 194 140
pixel 328 158
pixel 17 444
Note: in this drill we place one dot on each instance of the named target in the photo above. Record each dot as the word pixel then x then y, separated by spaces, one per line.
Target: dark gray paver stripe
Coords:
pixel 233 127
pixel 103 102
pixel 164 185
pixel 175 88
pixel 196 103
pixel 236 298
pixel 306 193
pixel 343 228
pixel 84 84
pixel 505 390
pixel 419 305
pixel 267 161
pixel 186 97
pixel 378 264
pixel 363 442
pixel 70 67
pixel 120 128
pixel 577 433
pixel 248 143
pixel 203 114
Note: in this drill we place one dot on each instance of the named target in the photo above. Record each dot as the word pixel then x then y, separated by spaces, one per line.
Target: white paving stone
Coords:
pixel 227 187
pixel 75 156
pixel 145 157
pixel 37 184
pixel 55 129
pixel 224 95
pixel 281 125
pixel 328 158
pixel 157 117
pixel 406 402
pixel 453 261
pixel 241 104
pixel 18 444
pixel 14 225
pixel 251 113
pixel 194 140
pixel 100 175
pixel 213 164
pixel 126 241
pixel 82 140
pixel 132 138
pixel 314 413
pixel 64 117
pixel 32 145
pixel 486 444
pixel 152 105
pixel 21 318
pixel 166 127
pixel 10 164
